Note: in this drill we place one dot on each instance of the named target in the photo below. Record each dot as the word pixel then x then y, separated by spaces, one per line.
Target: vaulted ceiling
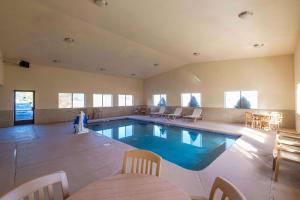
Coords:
pixel 129 36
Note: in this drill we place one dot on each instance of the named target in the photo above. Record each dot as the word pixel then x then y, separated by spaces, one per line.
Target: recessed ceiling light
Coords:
pixel 56 61
pixel 102 69
pixel 101 3
pixel 245 14
pixel 68 40
pixel 133 74
pixel 258 45
pixel 196 54
pixel 155 64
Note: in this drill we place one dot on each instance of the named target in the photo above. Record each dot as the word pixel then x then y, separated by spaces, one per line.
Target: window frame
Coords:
pixel 240 97
pixel 190 94
pixel 125 100
pixel 160 96
pixel 72 99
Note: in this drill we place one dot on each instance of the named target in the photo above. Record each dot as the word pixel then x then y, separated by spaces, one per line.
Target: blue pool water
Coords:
pixel 188 148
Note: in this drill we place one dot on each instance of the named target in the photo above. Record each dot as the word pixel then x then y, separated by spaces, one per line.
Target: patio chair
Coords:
pixel 249 119
pixel 287 147
pixel 276 119
pixel 229 191
pixel 39 185
pixel 196 114
pixel 177 113
pixel 142 162
pixel 161 112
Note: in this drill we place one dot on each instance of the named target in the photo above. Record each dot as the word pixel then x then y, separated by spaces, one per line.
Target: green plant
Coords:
pixel 162 102
pixel 193 102
pixel 243 103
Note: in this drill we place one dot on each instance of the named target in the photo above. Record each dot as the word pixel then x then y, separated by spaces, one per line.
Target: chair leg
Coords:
pixel 277 169
pixel 274 163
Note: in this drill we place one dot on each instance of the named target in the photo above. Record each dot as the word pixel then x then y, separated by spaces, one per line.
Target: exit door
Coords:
pixel 24 107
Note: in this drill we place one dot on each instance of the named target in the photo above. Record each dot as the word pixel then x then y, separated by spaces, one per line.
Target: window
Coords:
pixel 64 100
pixel 107 100
pixel 241 99
pixel 102 100
pixel 125 100
pixel 78 100
pixel 298 98
pixel 71 100
pixel 97 100
pixel 159 100
pixel 191 99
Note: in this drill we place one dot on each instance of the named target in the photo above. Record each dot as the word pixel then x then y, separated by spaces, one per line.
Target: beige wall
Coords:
pixel 297 81
pixel 272 77
pixel 49 81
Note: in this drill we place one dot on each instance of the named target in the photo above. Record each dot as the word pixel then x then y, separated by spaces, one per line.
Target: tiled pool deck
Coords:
pixel 28 152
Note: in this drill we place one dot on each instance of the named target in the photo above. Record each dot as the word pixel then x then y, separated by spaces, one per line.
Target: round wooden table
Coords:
pixel 131 187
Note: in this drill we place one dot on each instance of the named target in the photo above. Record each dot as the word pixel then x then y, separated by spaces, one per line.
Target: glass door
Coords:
pixel 24 107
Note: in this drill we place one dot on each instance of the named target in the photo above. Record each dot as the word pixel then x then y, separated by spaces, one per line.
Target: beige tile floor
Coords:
pixel 27 152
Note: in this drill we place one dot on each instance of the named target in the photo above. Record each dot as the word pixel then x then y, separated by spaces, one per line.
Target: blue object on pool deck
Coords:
pixel 188 148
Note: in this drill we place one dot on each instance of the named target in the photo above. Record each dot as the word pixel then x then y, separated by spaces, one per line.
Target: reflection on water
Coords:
pixel 125 131
pixel 159 131
pixel 192 138
pixel 188 148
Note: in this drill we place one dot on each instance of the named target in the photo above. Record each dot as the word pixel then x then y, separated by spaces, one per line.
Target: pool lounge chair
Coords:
pixel 196 114
pixel 161 112
pixel 177 113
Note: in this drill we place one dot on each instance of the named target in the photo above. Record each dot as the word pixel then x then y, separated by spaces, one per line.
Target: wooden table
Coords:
pixel 130 187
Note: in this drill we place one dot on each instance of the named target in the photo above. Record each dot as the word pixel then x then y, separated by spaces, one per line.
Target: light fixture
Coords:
pixel 155 64
pixel 196 54
pixel 102 69
pixel 68 40
pixel 245 14
pixel 101 3
pixel 56 61
pixel 258 45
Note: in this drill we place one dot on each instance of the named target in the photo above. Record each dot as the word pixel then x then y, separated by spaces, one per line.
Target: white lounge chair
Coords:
pixel 177 113
pixel 161 112
pixel 196 114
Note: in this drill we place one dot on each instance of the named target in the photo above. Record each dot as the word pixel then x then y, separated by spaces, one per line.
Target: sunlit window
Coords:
pixel 189 137
pixel 107 100
pixel 159 99
pixel 125 100
pixel 97 100
pixel 241 99
pixel 78 100
pixel 125 131
pixel 191 99
pixel 159 131
pixel 64 100
pixel 298 98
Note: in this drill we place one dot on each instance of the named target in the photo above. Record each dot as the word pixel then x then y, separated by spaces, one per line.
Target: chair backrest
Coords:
pixel 276 117
pixel 142 162
pixel 162 110
pixel 228 189
pixel 248 115
pixel 197 112
pixel 178 111
pixel 39 186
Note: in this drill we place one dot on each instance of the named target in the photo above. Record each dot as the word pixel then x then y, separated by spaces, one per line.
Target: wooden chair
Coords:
pixel 142 162
pixel 249 119
pixel 39 186
pixel 228 190
pixel 287 147
pixel 276 119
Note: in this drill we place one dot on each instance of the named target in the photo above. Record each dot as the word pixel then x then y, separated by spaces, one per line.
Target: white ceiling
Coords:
pixel 129 36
